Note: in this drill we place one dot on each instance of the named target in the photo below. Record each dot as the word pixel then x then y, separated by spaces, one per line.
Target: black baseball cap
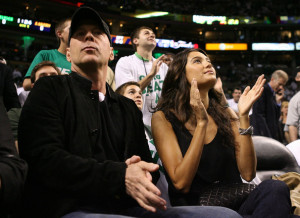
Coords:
pixel 84 13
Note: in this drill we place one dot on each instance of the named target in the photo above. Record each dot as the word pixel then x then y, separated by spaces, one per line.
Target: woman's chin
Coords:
pixel 212 82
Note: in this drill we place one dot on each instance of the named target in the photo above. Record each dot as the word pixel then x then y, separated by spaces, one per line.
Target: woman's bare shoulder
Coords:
pixel 159 118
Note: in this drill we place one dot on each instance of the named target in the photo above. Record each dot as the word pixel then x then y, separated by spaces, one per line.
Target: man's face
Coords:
pixel 45 71
pixel 278 84
pixel 146 38
pixel 89 46
pixel 168 60
pixel 134 93
pixel 236 95
pixel 297 78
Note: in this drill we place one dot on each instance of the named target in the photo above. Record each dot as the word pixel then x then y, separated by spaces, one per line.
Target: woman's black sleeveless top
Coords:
pixel 217 164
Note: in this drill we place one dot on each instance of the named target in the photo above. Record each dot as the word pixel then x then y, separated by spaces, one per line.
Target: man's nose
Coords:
pixel 89 36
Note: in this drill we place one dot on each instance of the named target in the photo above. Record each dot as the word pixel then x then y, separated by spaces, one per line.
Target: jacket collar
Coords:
pixel 86 85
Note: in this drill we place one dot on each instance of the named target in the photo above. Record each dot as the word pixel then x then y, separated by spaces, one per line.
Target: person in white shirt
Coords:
pixel 233 103
pixel 143 68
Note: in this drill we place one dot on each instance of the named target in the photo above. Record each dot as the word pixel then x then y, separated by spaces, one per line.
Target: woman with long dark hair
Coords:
pixel 202 142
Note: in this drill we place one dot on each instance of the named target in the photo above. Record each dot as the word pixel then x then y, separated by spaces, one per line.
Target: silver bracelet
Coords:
pixel 248 131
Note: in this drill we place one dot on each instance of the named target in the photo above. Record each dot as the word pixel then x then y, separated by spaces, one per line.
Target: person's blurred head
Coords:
pixel 278 80
pixel 236 94
pixel 132 91
pixel 284 107
pixel 297 74
pixel 62 30
pixel 45 68
pixel 143 37
pixel 168 58
pixel 2 60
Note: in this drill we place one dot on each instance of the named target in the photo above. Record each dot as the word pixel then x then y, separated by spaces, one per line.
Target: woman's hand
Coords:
pixel 248 97
pixel 219 85
pixel 196 103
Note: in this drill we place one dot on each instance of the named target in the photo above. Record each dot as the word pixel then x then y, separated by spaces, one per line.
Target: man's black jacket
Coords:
pixel 7 88
pixel 76 146
pixel 12 168
pixel 265 115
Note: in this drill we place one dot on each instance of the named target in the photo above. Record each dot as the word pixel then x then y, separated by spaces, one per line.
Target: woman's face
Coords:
pixel 199 67
pixel 284 109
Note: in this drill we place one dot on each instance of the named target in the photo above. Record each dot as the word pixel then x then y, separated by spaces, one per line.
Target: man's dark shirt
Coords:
pixel 12 169
pixel 76 146
pixel 265 115
pixel 7 88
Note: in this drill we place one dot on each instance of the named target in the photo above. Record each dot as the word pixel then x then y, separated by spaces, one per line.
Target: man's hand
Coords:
pixel 133 159
pixel 140 187
pixel 279 96
pixel 156 65
pixel 154 70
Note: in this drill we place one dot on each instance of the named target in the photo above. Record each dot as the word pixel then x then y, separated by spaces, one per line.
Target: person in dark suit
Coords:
pixel 7 88
pixel 266 111
pixel 13 170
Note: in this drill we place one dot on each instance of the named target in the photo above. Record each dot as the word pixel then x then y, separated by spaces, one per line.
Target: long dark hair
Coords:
pixel 175 98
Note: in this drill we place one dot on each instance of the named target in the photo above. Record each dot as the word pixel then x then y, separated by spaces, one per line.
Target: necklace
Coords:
pixel 145 66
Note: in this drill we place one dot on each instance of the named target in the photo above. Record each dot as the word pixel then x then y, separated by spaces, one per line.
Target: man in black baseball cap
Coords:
pixel 85 145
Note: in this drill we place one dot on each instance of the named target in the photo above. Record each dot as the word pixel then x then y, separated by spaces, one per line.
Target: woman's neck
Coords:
pixel 284 117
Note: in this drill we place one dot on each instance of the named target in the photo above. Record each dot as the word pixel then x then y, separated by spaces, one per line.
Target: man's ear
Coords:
pixel 111 55
pixel 135 41
pixel 32 84
pixel 68 55
pixel 58 34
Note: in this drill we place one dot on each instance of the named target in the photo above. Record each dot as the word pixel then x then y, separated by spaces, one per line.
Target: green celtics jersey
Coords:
pixel 51 55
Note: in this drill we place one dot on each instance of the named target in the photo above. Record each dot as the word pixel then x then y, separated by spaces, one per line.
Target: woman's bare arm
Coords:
pixel 245 153
pixel 181 169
